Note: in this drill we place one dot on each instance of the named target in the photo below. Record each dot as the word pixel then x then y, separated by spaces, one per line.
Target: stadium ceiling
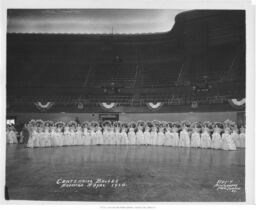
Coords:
pixel 91 21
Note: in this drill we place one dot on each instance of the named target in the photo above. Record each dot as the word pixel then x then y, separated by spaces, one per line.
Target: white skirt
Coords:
pixel 195 140
pixel 216 141
pixel 184 139
pixel 236 140
pixel 132 138
pixel 227 142
pixel 205 140
pixel 242 140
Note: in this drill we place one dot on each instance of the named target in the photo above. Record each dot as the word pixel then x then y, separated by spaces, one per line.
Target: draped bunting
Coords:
pixel 108 106
pixel 44 107
pixel 237 104
pixel 154 106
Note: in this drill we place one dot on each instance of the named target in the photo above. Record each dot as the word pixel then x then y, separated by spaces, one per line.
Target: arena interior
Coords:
pixel 128 117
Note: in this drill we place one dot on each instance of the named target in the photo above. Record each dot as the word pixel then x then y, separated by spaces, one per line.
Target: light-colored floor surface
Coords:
pixel 146 173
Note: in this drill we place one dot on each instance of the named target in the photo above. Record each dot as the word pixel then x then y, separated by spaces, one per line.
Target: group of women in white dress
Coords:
pixel 217 135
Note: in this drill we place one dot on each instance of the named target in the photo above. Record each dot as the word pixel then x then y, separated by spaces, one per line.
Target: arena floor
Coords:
pixel 140 173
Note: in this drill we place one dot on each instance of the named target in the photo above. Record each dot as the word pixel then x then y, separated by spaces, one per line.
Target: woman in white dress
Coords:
pixel 79 133
pixel 66 135
pixel 74 134
pixel 39 141
pixel 242 137
pixel 169 137
pixel 124 137
pixel 161 135
pixel 147 139
pixel 111 134
pixel 54 136
pixel 86 135
pixel 154 131
pixel 139 133
pixel 46 136
pixel 131 134
pixel 205 136
pixel 106 136
pixel 12 136
pixel 216 137
pixel 184 135
pixel 32 134
pixel 99 136
pixel 61 131
pixel 195 136
pixel 117 136
pixel 235 135
pixel 175 131
pixel 38 137
pixel 227 142
pixel 93 133
pixel 58 134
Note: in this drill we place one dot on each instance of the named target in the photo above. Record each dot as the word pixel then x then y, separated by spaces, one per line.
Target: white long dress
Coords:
pixel 59 137
pixel 31 139
pixel 195 138
pixel 106 136
pixel 66 136
pixel 168 137
pixel 46 136
pixel 111 136
pixel 205 138
pixel 40 136
pixel 73 135
pixel 242 137
pixel 216 139
pixel 93 136
pixel 117 136
pixel 184 138
pixel 227 142
pixel 147 139
pixel 161 137
pixel 86 137
pixel 176 138
pixel 54 138
pixel 140 136
pixel 131 137
pixel 235 138
pixel 124 137
pixel 99 137
pixel 12 137
pixel 153 136
pixel 79 136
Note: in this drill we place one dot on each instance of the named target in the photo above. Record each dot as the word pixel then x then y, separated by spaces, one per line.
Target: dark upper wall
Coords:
pixel 202 42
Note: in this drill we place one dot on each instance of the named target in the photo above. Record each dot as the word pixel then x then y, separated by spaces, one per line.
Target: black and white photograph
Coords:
pixel 126 105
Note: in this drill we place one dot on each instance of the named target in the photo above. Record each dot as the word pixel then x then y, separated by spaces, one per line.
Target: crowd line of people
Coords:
pixel 208 135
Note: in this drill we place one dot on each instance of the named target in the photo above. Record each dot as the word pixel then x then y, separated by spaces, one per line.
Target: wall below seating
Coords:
pixel 22 118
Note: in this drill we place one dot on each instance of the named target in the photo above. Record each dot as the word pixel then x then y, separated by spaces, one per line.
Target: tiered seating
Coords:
pixel 160 74
pixel 45 74
pixel 120 74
